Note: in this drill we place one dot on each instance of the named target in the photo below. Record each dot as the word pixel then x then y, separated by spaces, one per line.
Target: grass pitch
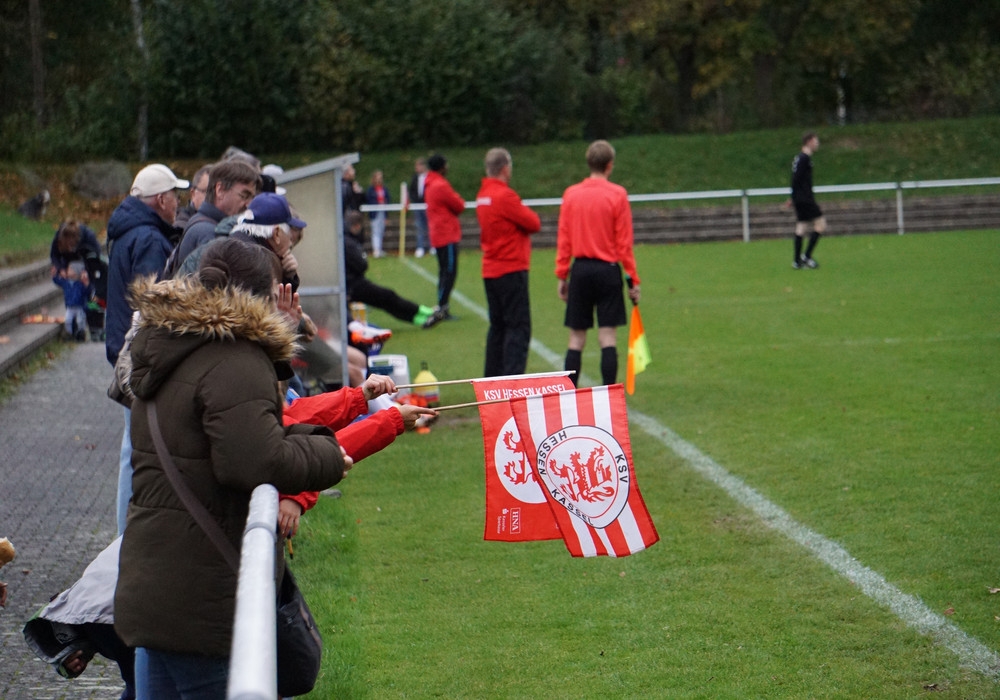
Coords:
pixel 861 399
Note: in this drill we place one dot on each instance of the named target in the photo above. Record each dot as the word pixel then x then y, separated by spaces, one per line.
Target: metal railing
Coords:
pixel 744 196
pixel 253 661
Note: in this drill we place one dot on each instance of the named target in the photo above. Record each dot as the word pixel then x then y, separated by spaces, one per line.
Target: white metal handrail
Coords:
pixel 744 196
pixel 253 660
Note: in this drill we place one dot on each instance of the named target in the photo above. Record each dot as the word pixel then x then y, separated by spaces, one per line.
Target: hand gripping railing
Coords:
pixel 253 673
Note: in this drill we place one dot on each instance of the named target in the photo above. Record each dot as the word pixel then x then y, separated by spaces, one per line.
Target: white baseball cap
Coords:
pixel 156 179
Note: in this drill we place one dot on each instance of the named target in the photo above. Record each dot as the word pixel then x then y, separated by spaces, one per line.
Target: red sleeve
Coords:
pixel 306 499
pixel 522 217
pixel 564 236
pixel 368 436
pixel 334 409
pixel 625 240
pixel 454 200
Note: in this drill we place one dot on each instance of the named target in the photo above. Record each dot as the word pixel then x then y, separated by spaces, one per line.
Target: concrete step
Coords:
pixel 27 292
pixel 19 344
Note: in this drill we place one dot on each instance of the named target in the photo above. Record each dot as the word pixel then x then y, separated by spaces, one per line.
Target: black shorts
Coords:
pixel 594 284
pixel 807 211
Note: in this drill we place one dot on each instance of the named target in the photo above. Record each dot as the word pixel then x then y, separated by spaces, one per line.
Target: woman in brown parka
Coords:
pixel 210 351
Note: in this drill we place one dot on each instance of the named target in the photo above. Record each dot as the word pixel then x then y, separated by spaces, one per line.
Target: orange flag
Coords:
pixel 638 350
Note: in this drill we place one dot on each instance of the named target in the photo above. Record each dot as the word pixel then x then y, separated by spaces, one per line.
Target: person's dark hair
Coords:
pixel 231 172
pixel 807 137
pixel 437 162
pixel 599 155
pixel 229 262
pixel 199 174
pixel 353 217
pixel 68 236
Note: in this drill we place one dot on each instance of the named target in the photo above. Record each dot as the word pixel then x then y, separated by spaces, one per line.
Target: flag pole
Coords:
pixel 486 379
pixel 469 405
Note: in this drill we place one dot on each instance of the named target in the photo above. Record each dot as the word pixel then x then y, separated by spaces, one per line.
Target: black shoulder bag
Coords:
pixel 300 646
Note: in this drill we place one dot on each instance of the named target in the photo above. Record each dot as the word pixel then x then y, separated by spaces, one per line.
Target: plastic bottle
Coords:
pixel 431 394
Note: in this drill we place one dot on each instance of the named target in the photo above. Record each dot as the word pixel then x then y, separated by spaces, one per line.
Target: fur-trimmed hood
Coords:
pixel 178 316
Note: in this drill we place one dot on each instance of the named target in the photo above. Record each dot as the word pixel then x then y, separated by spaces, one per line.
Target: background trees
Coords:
pixel 317 74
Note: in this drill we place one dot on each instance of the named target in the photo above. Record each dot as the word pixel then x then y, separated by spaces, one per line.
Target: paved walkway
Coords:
pixel 60 435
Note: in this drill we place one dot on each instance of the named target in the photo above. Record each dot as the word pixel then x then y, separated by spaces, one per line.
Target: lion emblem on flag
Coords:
pixel 513 468
pixel 586 471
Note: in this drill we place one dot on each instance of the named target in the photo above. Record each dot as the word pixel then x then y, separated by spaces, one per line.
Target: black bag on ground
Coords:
pixel 300 646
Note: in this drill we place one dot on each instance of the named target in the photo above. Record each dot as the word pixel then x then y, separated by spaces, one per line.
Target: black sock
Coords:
pixel 813 239
pixel 798 248
pixel 609 365
pixel 574 360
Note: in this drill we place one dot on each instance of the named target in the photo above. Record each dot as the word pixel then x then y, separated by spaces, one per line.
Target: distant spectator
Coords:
pixel 351 194
pixel 415 191
pixel 199 188
pixel 377 193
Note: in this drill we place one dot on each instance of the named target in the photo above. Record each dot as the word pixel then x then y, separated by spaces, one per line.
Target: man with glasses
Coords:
pixel 231 186
pixel 140 237
pixel 199 188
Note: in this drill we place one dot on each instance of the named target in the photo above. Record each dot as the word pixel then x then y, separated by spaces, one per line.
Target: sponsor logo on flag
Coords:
pixel 516 507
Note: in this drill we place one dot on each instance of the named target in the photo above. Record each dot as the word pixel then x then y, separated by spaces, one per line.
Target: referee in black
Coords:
pixel 808 215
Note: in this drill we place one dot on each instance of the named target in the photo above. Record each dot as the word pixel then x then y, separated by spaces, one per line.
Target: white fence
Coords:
pixel 253 661
pixel 743 195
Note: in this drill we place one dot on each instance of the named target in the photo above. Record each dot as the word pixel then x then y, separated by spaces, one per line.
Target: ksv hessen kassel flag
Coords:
pixel 516 509
pixel 583 459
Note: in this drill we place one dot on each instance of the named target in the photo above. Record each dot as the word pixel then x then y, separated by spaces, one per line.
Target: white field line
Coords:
pixel 909 608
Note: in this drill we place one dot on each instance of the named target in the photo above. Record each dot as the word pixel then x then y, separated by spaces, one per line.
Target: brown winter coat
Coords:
pixel 208 358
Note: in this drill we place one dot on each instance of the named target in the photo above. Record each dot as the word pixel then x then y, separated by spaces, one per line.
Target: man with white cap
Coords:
pixel 141 235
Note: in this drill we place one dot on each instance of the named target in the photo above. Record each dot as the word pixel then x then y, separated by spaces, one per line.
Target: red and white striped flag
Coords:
pixel 516 510
pixel 583 459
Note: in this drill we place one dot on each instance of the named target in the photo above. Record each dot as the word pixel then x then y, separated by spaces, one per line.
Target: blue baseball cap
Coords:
pixel 270 209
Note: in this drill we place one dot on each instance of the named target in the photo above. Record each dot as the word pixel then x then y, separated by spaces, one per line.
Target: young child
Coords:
pixel 76 293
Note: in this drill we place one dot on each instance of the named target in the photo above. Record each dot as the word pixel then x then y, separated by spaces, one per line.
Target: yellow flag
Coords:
pixel 638 350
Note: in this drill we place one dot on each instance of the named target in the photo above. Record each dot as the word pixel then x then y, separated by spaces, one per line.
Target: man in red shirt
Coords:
pixel 595 233
pixel 444 205
pixel 505 227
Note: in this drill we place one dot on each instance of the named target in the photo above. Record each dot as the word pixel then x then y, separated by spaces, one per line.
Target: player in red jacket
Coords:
pixel 505 227
pixel 444 205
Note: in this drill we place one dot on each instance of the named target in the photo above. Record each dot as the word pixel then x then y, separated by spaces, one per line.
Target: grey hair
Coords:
pixel 264 231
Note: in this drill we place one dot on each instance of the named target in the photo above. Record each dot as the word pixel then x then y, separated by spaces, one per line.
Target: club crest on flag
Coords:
pixel 586 472
pixel 581 452
pixel 512 466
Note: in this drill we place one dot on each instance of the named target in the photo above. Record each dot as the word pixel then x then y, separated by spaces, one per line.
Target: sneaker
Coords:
pixel 797 264
pixel 363 334
pixel 419 253
pixel 435 318
pixel 810 263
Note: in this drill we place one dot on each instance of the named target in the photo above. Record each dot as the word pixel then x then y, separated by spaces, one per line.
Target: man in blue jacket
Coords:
pixel 141 235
